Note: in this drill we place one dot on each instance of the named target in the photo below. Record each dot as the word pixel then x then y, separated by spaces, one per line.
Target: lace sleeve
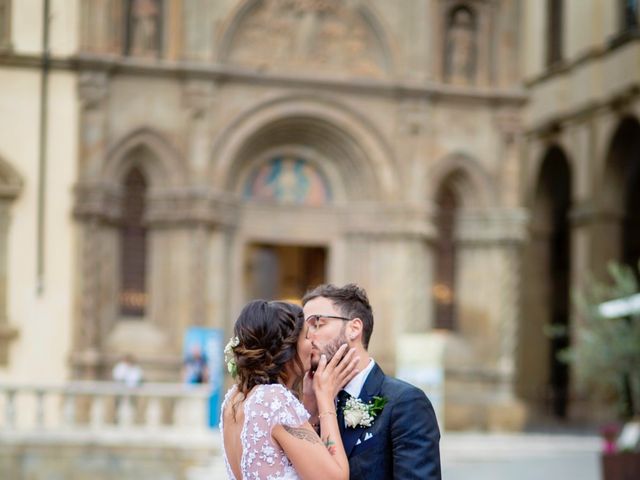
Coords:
pixel 278 406
pixel 269 406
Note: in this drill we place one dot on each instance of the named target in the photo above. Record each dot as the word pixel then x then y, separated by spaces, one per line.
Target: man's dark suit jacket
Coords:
pixel 403 442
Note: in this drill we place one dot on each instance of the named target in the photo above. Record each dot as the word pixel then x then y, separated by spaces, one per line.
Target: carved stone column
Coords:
pixel 93 91
pixel 490 252
pixel 7 332
pixel 387 254
pixel 509 124
pixel 94 206
pixel 198 99
pixel 201 219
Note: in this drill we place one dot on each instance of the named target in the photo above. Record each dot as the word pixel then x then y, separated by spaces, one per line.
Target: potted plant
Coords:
pixel 606 357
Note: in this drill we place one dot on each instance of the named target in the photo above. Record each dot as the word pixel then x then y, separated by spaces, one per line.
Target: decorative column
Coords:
pixel 94 205
pixel 199 102
pixel 489 309
pixel 7 333
pixel 387 254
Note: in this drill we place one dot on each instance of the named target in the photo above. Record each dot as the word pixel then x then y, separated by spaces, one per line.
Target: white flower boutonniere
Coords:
pixel 360 414
pixel 230 358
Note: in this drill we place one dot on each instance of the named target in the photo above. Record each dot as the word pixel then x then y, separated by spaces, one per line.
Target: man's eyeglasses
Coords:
pixel 314 322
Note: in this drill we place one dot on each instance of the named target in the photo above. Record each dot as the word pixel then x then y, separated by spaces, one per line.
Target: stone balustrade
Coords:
pixel 104 407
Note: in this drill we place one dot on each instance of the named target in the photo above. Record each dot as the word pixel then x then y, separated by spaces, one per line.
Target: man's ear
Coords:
pixel 355 329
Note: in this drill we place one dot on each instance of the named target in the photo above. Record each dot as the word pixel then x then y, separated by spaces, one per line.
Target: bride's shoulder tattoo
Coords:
pixel 302 434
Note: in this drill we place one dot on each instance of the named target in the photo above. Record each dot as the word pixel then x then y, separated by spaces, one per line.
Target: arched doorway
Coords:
pixel 293 177
pixel 544 332
pixel 622 192
pixel 282 182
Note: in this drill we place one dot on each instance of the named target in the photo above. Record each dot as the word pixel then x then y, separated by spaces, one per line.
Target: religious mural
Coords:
pixel 288 180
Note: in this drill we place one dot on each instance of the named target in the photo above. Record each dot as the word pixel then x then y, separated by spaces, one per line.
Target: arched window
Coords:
pixel 629 10
pixel 445 260
pixel 460 54
pixel 143 28
pixel 133 246
pixel 554 31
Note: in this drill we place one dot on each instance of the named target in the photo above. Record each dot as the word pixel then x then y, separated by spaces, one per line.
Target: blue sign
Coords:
pixel 203 361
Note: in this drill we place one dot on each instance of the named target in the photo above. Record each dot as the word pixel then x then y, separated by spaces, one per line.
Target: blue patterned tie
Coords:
pixel 343 396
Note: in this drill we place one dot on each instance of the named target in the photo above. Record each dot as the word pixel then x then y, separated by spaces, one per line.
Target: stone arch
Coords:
pixel 381 44
pixel 466 177
pixel 160 161
pixel 538 157
pixel 622 148
pixel 543 380
pixel 355 152
pixel 619 195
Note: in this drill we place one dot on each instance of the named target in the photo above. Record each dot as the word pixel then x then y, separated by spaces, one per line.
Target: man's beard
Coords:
pixel 330 349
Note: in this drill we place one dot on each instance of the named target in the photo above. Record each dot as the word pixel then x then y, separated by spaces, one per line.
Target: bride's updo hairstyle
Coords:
pixel 268 335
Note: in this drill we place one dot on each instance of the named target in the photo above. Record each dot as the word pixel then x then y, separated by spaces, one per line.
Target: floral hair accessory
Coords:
pixel 230 358
pixel 360 414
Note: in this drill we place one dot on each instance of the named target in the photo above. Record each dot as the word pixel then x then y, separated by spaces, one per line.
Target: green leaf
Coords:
pixel 377 405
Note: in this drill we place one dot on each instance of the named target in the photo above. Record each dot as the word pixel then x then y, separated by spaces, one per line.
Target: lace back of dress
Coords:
pixel 264 408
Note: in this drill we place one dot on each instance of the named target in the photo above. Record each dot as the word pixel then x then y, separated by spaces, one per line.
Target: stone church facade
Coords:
pixel 202 153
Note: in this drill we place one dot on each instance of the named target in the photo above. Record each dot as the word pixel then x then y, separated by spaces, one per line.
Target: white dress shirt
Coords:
pixel 354 387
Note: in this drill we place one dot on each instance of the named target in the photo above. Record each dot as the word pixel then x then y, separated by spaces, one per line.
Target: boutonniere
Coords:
pixel 360 414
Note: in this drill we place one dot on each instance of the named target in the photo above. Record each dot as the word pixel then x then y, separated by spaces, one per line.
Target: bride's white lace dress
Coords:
pixel 265 407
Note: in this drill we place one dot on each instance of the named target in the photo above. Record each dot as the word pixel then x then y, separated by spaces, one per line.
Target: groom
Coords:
pixel 402 441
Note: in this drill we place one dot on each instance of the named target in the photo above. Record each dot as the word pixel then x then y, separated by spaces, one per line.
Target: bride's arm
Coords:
pixel 321 457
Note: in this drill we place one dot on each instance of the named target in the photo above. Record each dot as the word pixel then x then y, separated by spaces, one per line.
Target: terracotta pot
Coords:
pixel 621 466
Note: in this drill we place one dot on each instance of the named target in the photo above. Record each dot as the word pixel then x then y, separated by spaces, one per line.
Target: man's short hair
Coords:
pixel 351 300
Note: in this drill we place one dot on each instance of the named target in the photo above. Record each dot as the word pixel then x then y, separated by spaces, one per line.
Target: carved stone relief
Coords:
pixel 101 26
pixel 293 34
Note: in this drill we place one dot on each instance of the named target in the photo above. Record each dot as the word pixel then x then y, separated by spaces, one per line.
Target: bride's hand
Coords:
pixel 309 394
pixel 330 377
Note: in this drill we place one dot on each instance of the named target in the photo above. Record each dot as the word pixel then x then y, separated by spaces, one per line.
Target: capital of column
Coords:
pixel 192 206
pixel 494 226
pixel 198 97
pixel 93 89
pixel 389 220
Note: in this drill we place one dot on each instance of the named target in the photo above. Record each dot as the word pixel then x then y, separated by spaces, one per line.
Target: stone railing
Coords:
pixel 103 430
pixel 105 407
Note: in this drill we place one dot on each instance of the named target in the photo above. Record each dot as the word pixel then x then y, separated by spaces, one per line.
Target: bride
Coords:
pixel 265 428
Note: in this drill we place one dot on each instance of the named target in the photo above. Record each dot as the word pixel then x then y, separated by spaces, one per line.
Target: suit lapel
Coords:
pixel 371 388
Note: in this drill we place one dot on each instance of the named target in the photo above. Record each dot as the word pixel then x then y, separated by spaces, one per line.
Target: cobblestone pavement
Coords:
pixel 522 456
